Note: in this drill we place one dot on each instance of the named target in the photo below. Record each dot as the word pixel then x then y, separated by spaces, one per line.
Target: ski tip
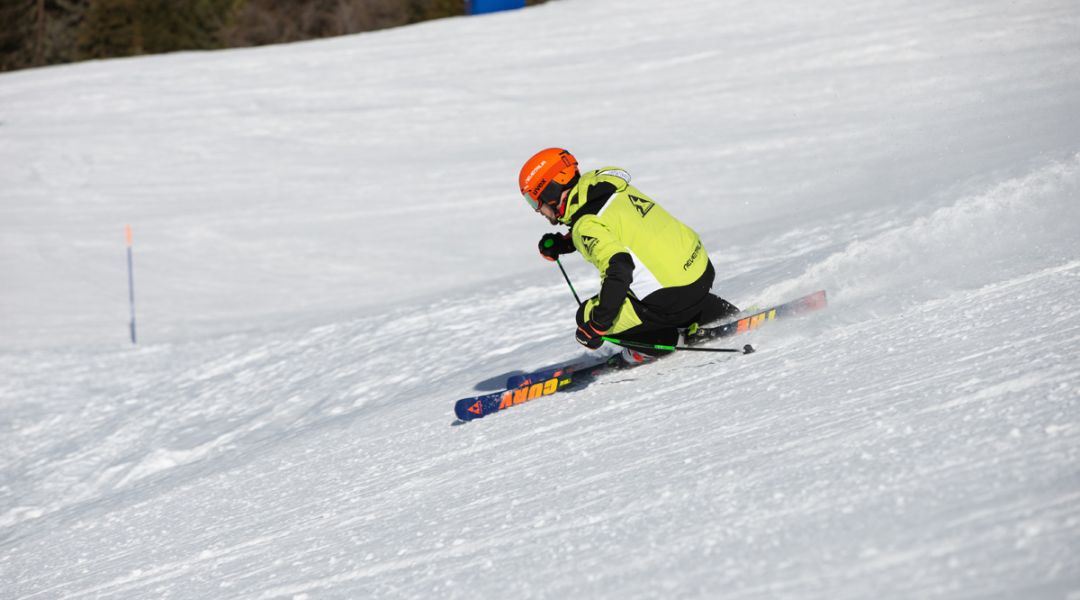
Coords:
pixel 748 349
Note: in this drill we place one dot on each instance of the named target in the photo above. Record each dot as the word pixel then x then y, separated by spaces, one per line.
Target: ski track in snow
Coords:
pixel 918 439
pixel 849 479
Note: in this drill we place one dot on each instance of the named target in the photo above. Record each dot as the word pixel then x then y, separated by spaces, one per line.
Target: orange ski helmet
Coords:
pixel 544 176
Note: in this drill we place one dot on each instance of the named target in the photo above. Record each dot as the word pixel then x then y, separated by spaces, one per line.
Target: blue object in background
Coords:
pixel 479 7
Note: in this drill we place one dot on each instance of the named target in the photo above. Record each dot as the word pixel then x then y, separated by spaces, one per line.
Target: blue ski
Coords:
pixel 529 387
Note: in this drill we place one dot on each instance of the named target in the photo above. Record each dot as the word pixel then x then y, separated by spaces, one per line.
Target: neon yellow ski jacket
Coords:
pixel 637 246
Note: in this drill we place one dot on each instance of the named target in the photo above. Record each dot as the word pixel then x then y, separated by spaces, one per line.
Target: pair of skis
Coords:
pixel 526 387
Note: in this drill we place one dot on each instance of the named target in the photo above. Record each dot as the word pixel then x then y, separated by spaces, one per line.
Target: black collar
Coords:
pixel 595 199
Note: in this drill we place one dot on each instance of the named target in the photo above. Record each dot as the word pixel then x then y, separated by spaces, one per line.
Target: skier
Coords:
pixel 655 274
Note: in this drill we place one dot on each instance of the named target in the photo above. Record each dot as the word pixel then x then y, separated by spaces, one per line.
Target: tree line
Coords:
pixel 47 32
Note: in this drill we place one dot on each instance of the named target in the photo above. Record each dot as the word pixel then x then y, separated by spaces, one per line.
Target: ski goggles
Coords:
pixel 533 203
pixel 551 194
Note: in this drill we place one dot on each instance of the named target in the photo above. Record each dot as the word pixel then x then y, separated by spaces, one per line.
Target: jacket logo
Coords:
pixel 693 257
pixel 589 243
pixel 642 205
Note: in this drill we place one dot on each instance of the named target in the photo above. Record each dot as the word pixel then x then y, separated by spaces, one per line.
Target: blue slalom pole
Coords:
pixel 131 283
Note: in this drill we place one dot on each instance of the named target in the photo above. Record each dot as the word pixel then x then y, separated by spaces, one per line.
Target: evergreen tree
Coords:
pixel 17 33
pixel 62 21
pixel 40 32
pixel 425 10
pixel 168 26
pixel 110 29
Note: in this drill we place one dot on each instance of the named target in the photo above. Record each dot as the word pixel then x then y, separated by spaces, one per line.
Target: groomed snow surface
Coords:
pixel 330 250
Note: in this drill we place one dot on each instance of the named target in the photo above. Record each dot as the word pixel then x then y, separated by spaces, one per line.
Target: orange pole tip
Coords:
pixel 127 231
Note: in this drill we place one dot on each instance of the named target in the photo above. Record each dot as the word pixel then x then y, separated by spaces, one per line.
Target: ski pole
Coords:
pixel 567 278
pixel 747 349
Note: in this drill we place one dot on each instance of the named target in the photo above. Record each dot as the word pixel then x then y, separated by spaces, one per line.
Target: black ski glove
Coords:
pixel 553 245
pixel 590 334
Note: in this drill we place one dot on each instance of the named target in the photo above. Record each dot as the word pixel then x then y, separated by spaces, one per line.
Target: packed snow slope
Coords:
pixel 330 250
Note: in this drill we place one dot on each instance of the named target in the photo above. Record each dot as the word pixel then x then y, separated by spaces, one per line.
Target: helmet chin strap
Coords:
pixel 564 202
pixel 556 212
